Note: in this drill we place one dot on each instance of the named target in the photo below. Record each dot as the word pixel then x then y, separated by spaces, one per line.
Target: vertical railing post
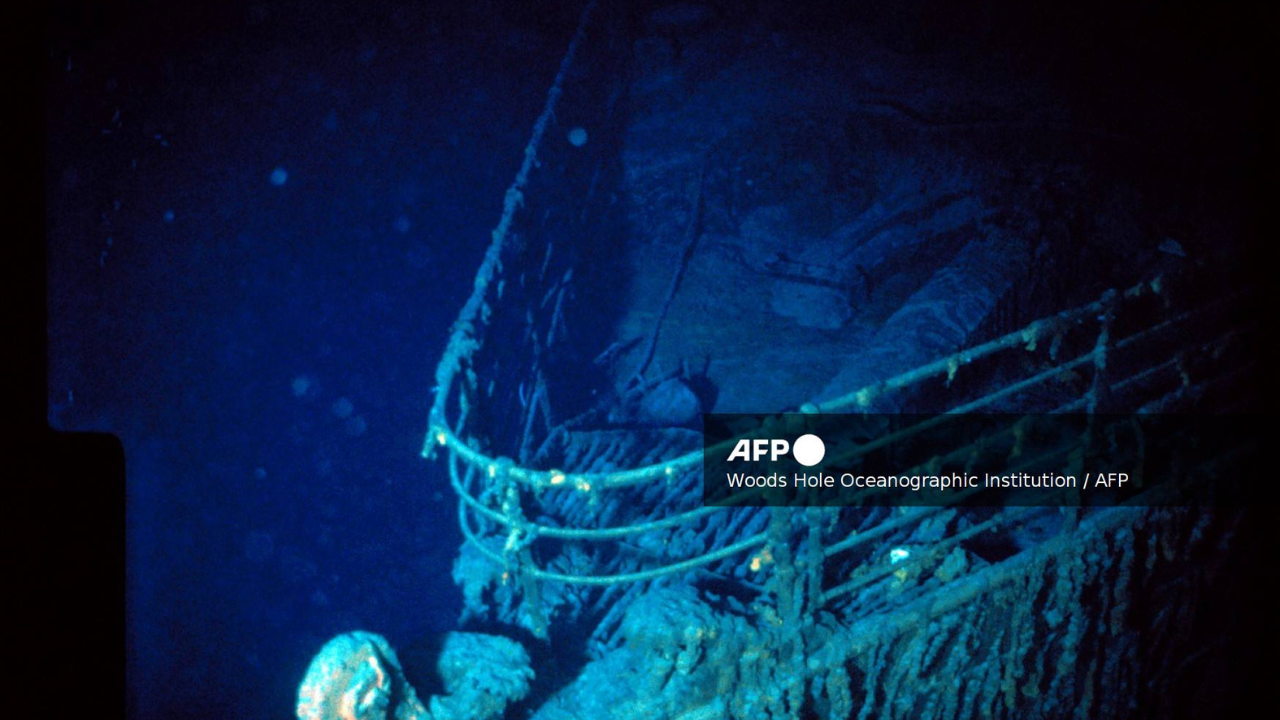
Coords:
pixel 784 570
pixel 1099 397
pixel 816 518
pixel 1097 401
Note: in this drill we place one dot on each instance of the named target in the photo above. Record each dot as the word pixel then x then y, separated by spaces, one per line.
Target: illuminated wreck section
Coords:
pixel 678 241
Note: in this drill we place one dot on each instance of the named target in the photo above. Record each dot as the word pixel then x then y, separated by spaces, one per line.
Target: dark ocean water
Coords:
pixel 262 219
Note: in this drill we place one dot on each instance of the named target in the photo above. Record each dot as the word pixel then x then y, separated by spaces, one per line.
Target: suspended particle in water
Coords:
pixel 301 385
pixel 279 176
pixel 343 408
pixel 578 136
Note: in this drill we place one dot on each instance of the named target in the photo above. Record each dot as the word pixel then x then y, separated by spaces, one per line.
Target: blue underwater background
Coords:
pixel 263 217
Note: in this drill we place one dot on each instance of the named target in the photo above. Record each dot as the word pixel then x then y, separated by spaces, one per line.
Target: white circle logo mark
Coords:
pixel 808 450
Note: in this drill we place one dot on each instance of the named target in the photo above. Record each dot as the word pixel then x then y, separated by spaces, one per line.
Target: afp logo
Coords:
pixel 808 450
